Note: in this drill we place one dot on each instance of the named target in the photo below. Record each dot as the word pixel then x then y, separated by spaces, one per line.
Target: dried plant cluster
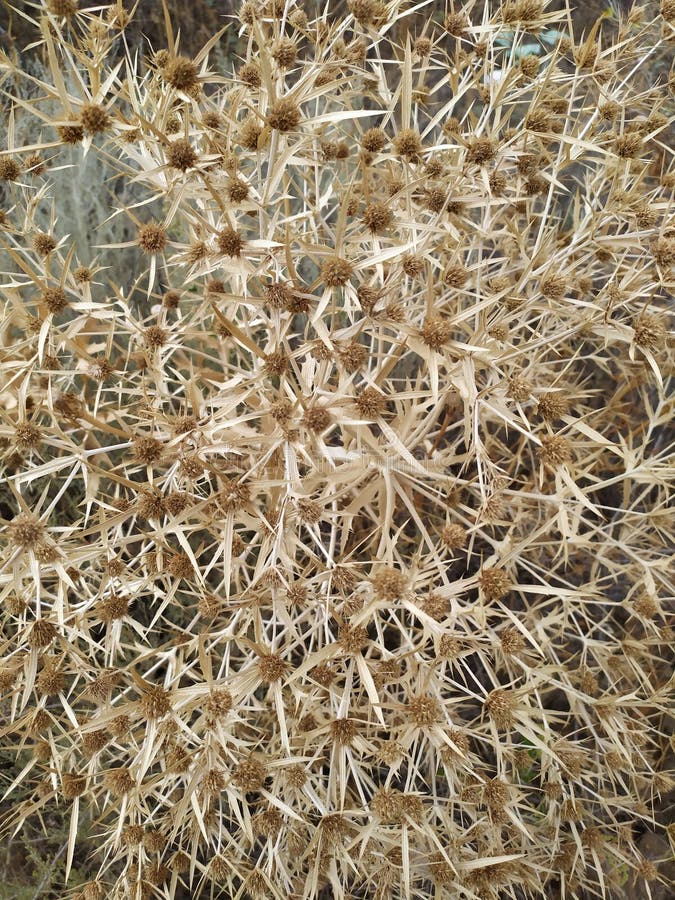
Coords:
pixel 335 543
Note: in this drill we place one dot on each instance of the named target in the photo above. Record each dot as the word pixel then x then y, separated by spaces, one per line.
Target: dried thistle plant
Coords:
pixel 335 538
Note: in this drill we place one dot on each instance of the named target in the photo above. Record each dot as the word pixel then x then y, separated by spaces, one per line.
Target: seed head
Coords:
pixel 284 53
pixel 424 712
pixel 180 566
pixel 374 140
pixel 555 450
pixel 181 155
pixel 233 495
pixel 366 12
pixel 456 23
pixel 284 115
pixel 408 144
pixel 83 274
pixel 27 436
pixel 370 403
pixel 152 238
pixel 553 405
pixel 155 702
pixel 353 355
pixel 95 118
pixel 44 244
pixel 553 286
pixel 26 531
pixel 645 868
pixel 249 775
pixel 343 731
pixel 453 537
pixel 495 583
pixel 218 705
pixel 94 741
pixel 316 419
pixel 250 133
pixel 629 145
pixel 336 272
pixel 377 217
pixel 500 705
pixel 529 65
pixel 230 242
pixel 10 170
pixel 51 679
pixel 72 785
pixel 250 74
pixel 62 8
pixel 119 781
pixel 72 133
pixel 649 332
pixel 55 299
pixel 480 151
pixel 435 332
pixel 352 639
pixel 519 389
pixel 512 641
pixel 271 667
pixel 155 337
pixel 276 363
pixel 171 300
pixel 413 265
pixel 181 73
pixel 147 450
pixel 236 189
pixel 389 584
pixel 112 608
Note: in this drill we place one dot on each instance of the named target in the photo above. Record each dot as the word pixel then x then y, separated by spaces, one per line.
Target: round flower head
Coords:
pixel 408 144
pixel 377 217
pixel 284 115
pixel 152 238
pixel 10 170
pixel 44 244
pixel 95 118
pixel 181 155
pixel 230 242
pixel 181 73
pixel 374 140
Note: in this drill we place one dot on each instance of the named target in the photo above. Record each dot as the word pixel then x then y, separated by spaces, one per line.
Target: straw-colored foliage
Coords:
pixel 335 538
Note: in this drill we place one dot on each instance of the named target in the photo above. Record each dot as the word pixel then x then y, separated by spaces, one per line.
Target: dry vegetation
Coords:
pixel 334 550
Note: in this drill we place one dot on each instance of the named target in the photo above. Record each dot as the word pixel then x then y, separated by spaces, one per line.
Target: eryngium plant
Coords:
pixel 335 540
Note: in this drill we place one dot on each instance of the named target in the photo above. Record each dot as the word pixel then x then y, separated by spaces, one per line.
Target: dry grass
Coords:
pixel 335 558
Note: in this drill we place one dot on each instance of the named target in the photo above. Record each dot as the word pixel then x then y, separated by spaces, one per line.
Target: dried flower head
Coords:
pixel 284 115
pixel 181 73
pixel 95 118
pixel 336 272
pixel 435 332
pixel 389 584
pixel 230 242
pixel 500 705
pixel 44 244
pixel 495 583
pixel 180 154
pixel 55 299
pixel 555 450
pixel 408 144
pixel 152 238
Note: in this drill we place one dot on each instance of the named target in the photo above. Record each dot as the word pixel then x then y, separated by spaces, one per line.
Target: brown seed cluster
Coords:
pixel 152 238
pixel 181 73
pixel 389 584
pixel 495 583
pixel 181 155
pixel 284 115
pixel 95 118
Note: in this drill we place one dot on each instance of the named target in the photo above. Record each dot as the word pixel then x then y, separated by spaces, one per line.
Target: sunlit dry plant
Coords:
pixel 335 542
